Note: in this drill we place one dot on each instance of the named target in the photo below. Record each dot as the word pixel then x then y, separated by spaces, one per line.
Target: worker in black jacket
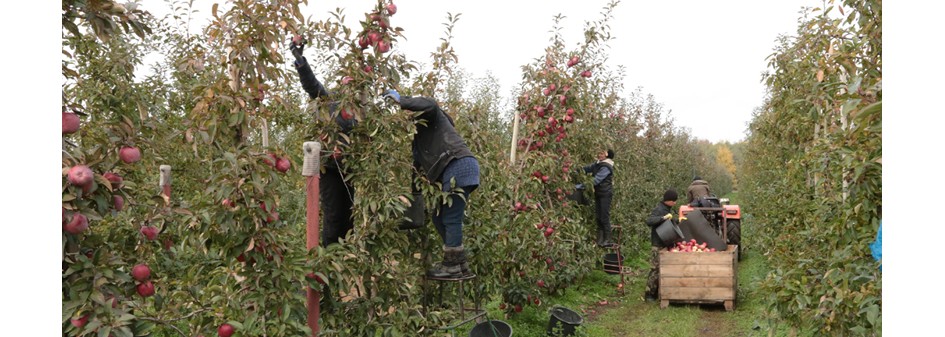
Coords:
pixel 662 212
pixel 603 171
pixel 441 155
pixel 336 194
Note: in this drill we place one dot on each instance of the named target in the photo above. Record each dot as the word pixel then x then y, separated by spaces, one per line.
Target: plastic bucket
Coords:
pixel 578 196
pixel 415 215
pixel 491 328
pixel 669 233
pixel 611 265
pixel 563 322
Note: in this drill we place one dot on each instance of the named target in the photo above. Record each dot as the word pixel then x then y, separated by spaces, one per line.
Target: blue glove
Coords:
pixel 579 186
pixel 392 94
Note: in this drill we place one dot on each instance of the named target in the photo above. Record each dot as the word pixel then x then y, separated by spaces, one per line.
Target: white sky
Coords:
pixel 702 59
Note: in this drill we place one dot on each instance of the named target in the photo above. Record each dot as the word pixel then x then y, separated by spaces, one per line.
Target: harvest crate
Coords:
pixel 699 277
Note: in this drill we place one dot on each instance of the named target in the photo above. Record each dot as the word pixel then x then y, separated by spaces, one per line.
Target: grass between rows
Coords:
pixel 609 314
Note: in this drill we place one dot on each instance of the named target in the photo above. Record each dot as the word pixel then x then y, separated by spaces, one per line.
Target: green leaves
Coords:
pixel 815 171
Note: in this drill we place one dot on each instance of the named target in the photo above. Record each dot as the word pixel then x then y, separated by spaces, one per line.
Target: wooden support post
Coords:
pixel 515 119
pixel 165 182
pixel 265 133
pixel 311 169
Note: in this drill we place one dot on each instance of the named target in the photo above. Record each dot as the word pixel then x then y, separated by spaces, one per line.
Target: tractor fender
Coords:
pixel 731 212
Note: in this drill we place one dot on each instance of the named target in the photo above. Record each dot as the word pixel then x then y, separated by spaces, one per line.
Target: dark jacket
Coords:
pixel 436 142
pixel 698 190
pixel 316 90
pixel 654 220
pixel 603 172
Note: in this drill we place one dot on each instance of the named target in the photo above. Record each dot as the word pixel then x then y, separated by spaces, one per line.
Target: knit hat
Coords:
pixel 670 195
pixel 610 153
pixel 696 178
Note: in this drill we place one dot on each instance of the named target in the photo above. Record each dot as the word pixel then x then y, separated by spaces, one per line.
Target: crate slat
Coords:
pixel 697 282
pixel 683 294
pixel 691 270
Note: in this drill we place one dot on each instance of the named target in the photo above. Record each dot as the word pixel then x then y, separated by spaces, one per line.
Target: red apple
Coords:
pixel 573 61
pixel 374 37
pixel 272 217
pixel 271 159
pixel 383 46
pixel 228 203
pixel 391 9
pixel 149 232
pixel 502 306
pixel 364 42
pixel 119 202
pixel 283 165
pixel 70 123
pixel 545 179
pixel 80 322
pixel 346 115
pixel 114 179
pixel 568 119
pixel 78 224
pixel 129 154
pixel 569 112
pixel 145 289
pixel 141 272
pixel 541 112
pixel 81 175
pixel 586 73
pixel 368 68
pixel 518 308
pixel 225 330
pixel 536 300
pixel 546 91
pixel 540 283
pixel 548 231
pixel 562 99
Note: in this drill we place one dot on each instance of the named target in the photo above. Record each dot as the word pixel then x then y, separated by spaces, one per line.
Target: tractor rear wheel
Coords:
pixel 734 229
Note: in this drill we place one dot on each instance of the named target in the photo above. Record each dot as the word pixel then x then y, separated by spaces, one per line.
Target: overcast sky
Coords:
pixel 702 59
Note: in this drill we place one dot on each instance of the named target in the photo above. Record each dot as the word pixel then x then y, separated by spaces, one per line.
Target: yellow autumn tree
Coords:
pixel 724 157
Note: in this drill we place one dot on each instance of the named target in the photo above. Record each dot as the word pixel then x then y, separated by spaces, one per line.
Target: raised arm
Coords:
pixel 312 86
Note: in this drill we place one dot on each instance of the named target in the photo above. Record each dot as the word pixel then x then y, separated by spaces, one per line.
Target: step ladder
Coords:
pixel 475 313
pixel 618 266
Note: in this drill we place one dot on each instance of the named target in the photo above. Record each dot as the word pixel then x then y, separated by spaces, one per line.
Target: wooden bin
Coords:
pixel 699 277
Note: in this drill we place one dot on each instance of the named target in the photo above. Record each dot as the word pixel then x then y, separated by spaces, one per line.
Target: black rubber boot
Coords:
pixel 450 267
pixel 463 264
pixel 607 242
pixel 600 237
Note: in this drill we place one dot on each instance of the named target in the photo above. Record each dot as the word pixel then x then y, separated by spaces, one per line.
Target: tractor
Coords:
pixel 724 218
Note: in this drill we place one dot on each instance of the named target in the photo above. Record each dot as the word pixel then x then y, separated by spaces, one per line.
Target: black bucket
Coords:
pixel 578 196
pixel 415 215
pixel 611 265
pixel 563 321
pixel 491 328
pixel 669 233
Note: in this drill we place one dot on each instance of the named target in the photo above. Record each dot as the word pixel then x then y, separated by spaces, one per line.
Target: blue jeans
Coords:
pixel 448 219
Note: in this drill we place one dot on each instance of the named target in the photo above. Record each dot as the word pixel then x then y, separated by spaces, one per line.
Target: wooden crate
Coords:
pixel 699 277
